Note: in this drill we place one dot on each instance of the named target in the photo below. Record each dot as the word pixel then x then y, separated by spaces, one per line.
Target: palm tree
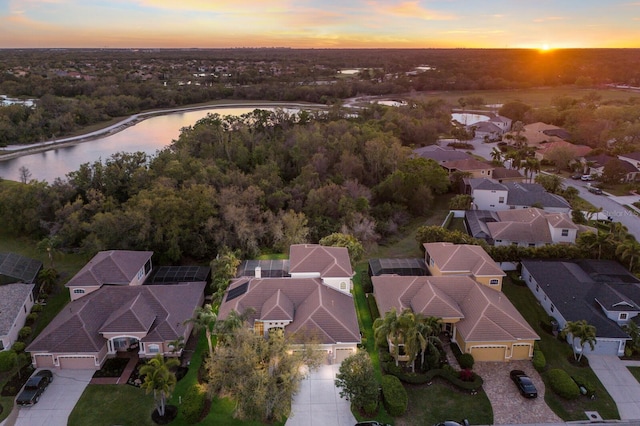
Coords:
pixel 629 251
pixel 429 327
pixel 618 230
pixel 205 318
pixel 177 345
pixel 50 246
pixel 496 155
pixel 232 322
pixel 388 331
pixel 582 331
pixel 159 379
pixel 531 166
pixel 48 278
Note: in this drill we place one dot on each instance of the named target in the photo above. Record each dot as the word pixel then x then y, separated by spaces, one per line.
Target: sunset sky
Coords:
pixel 320 23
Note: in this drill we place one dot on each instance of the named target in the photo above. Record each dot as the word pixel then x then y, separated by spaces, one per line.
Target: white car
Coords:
pixel 586 177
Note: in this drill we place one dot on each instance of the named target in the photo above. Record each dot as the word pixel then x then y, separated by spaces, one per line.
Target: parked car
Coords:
pixel 586 178
pixel 371 423
pixel 465 422
pixel 524 383
pixel 34 387
pixel 576 177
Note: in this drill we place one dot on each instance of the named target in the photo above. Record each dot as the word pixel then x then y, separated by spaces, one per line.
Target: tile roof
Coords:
pixel 632 155
pixel 578 150
pixel 485 314
pixel 528 194
pixel 463 259
pixel 111 267
pixel 328 261
pixel 576 286
pixel 315 307
pixel 504 173
pixel 468 164
pixel 12 298
pixel 440 153
pixel 485 184
pixel 78 326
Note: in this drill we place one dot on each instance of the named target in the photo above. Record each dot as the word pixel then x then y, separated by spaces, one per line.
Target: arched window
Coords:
pixel 153 348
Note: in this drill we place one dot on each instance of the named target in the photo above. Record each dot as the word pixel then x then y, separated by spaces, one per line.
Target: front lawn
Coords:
pixel 557 353
pixel 636 372
pixel 113 405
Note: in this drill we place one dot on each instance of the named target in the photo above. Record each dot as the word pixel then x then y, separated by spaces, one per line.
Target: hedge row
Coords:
pixel 394 396
pixel 562 384
pixel 448 374
pixel 193 403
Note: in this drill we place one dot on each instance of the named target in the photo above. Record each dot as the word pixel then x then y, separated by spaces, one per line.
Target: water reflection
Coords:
pixel 148 136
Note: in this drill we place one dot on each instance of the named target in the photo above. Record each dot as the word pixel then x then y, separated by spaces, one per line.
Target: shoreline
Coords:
pixel 11 152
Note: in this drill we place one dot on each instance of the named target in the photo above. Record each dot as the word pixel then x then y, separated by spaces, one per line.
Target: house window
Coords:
pixel 532 244
pixel 343 285
pixel 537 288
pixel 494 282
pixel 498 241
pixel 545 297
pixel 78 291
pixel 501 200
pixel 623 316
pixel 553 308
pixel 154 349
pixel 1 345
pixel 565 232
pixel 514 243
pixel 140 274
pixel 25 308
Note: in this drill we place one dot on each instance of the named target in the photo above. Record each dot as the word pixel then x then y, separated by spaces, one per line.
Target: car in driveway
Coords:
pixel 372 423
pixel 465 422
pixel 586 178
pixel 524 383
pixel 34 387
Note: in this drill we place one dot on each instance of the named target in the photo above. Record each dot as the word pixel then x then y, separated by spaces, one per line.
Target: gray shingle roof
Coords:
pixel 484 183
pixel 528 194
pixel 12 298
pixel 574 287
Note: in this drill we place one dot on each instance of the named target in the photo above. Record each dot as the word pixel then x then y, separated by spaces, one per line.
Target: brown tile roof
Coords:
pixel 469 164
pixel 317 308
pixel 111 267
pixel 77 327
pixel 485 315
pixel 504 173
pixel 328 261
pixel 578 150
pixel 462 259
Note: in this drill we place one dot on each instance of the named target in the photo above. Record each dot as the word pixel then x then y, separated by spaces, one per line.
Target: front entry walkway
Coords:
pixel 619 382
pixel 318 401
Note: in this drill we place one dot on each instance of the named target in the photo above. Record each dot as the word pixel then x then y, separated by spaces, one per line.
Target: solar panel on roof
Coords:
pixel 237 291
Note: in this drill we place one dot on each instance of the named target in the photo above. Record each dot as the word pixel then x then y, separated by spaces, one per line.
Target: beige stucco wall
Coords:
pixel 87 290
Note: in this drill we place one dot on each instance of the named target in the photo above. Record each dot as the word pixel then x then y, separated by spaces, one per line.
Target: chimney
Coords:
pixel 258 273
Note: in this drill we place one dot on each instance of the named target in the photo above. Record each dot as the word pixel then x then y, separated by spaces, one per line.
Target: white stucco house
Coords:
pixel 489 194
pixel 16 301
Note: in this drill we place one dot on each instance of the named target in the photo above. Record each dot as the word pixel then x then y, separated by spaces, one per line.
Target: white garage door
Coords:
pixel 343 353
pixel 603 347
pixel 78 362
pixel 44 361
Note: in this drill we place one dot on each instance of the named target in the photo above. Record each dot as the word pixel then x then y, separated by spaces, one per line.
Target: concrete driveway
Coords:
pixel 318 401
pixel 509 407
pixel 620 383
pixel 57 401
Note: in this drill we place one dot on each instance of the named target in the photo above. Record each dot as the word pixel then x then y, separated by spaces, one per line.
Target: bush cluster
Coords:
pixel 8 360
pixel 18 347
pixel 539 361
pixel 466 361
pixel 394 396
pixel 193 403
pixel 562 384
pixel 36 308
pixel 31 318
pixel 24 332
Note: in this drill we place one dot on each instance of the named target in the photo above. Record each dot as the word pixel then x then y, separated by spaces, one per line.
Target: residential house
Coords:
pixel 301 307
pixel 447 259
pixel 480 320
pixel 441 154
pixel 19 268
pixel 112 267
pixel 632 157
pixel 578 151
pixel 502 174
pixel 539 133
pixel 145 319
pixel 475 168
pixel 486 130
pixel 523 227
pixel 331 264
pixel 488 194
pixel 16 301
pixel 594 165
pixel 503 123
pixel 601 292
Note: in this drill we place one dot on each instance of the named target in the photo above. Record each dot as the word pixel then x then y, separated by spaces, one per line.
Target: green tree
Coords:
pixel 629 251
pixel 357 380
pixel 633 330
pixel 48 278
pixel 614 171
pixel 389 332
pixel 551 183
pixel 159 379
pixel 354 247
pixel 205 319
pixel 582 331
pixel 223 269
pixel 290 228
pixel 50 246
pixel 461 202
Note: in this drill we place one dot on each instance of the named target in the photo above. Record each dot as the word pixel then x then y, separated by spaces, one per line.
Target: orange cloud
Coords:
pixel 236 6
pixel 410 9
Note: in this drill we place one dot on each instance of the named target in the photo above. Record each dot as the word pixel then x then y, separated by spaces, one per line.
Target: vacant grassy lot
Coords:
pixel 557 354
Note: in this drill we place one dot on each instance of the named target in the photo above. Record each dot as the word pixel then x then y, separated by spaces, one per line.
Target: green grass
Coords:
pixel 457 224
pixel 557 354
pixel 113 405
pixel 636 372
pixel 432 404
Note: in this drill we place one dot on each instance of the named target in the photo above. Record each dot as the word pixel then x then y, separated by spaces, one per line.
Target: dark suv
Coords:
pixel 34 387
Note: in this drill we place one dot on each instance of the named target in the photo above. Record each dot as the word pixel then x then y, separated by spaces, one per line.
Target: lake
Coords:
pixel 467 118
pixel 149 136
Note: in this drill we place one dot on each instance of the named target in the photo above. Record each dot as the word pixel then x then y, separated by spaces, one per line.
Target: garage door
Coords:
pixel 488 353
pixel 603 347
pixel 342 354
pixel 44 361
pixel 77 362
pixel 520 352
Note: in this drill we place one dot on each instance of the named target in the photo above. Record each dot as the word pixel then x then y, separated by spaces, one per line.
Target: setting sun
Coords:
pixel 545 48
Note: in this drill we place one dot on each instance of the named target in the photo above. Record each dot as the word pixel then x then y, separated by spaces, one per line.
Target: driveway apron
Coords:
pixel 57 401
pixel 620 383
pixel 318 402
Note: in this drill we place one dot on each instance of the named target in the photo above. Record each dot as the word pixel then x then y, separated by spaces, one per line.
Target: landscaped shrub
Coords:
pixel 36 308
pixel 394 395
pixel 466 375
pixel 8 360
pixel 539 361
pixel 371 408
pixel 193 403
pixel 31 318
pixel 24 332
pixel 18 347
pixel 562 384
pixel 466 361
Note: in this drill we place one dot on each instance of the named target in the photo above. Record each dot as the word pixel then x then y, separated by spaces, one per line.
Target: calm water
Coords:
pixel 149 136
pixel 467 118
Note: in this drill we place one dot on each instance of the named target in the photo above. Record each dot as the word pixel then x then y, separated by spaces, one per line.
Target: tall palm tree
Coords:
pixel 232 322
pixel 429 327
pixel 389 331
pixel 584 332
pixel 205 319
pixel 629 251
pixel 159 379
pixel 50 246
pixel 496 155
pixel 618 230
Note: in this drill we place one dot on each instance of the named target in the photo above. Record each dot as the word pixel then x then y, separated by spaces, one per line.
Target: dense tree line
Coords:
pixel 123 82
pixel 245 183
